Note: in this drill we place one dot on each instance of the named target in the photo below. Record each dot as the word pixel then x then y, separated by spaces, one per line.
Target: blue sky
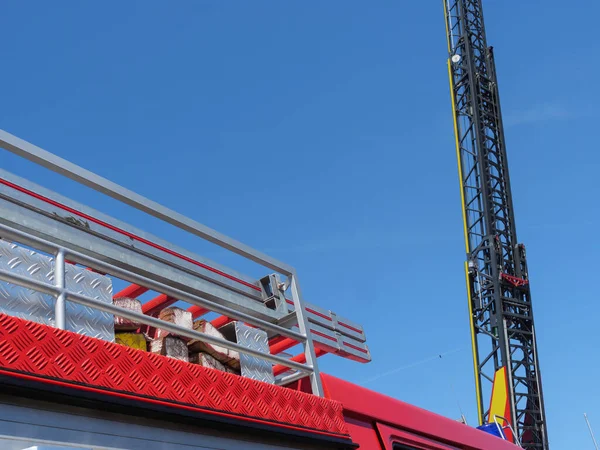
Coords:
pixel 338 112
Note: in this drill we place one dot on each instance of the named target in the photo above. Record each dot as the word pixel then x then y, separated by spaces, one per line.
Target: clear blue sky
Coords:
pixel 339 113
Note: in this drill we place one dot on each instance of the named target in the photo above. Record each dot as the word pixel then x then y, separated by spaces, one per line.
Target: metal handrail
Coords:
pixel 49 247
pixel 87 178
pixel 496 417
pixel 63 294
pixel 40 286
pixel 83 176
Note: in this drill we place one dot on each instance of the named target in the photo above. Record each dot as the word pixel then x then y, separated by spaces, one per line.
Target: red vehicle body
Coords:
pixel 376 421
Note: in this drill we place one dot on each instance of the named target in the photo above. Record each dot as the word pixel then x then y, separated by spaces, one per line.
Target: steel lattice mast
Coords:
pixel 502 325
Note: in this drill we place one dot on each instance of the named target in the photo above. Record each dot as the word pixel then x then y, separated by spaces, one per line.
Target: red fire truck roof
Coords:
pixel 369 413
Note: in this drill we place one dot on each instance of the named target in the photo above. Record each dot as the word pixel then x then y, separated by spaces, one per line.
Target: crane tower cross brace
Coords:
pixel 502 325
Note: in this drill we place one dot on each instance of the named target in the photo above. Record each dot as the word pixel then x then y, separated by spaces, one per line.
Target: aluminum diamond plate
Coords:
pixel 83 319
pixel 256 339
pixel 22 302
pixel 49 354
pixel 31 305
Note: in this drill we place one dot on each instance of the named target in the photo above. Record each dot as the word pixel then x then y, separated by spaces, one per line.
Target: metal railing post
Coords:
pixel 309 348
pixel 509 426
pixel 59 281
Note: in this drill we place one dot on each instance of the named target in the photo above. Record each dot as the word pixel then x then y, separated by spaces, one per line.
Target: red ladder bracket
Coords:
pixel 515 281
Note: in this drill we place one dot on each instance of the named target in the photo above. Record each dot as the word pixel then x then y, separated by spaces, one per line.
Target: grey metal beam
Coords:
pixel 31 202
pixel 87 178
pixel 33 224
pixel 309 348
pixel 49 247
pixel 31 283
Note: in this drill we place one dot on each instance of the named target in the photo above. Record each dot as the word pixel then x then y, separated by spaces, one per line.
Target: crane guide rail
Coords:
pixel 51 246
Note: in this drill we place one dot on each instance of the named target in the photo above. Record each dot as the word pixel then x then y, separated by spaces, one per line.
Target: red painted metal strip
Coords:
pixel 155 305
pixel 126 233
pixel 299 358
pixel 350 327
pixel 131 291
pixel 197 311
pixel 221 321
pixel 318 314
pixel 282 345
pixel 312 311
pixel 355 347
pixel 318 333
pixel 277 339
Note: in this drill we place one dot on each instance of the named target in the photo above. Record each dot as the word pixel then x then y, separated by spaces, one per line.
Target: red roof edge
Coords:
pixel 372 405
pixel 32 351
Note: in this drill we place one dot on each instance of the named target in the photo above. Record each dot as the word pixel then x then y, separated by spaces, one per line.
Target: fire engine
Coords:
pixel 112 338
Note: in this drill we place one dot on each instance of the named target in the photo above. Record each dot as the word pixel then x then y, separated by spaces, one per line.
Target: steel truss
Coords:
pixel 502 323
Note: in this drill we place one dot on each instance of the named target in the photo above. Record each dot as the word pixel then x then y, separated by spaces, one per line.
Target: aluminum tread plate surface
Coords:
pixel 49 354
pixel 83 319
pixel 253 367
pixel 22 302
pixel 31 305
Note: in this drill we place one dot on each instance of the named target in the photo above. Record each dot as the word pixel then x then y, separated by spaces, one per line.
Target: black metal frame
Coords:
pixel 498 284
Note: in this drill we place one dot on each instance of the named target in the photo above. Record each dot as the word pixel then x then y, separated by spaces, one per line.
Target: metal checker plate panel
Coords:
pixel 31 305
pixel 253 367
pixel 85 320
pixel 49 353
pixel 19 301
